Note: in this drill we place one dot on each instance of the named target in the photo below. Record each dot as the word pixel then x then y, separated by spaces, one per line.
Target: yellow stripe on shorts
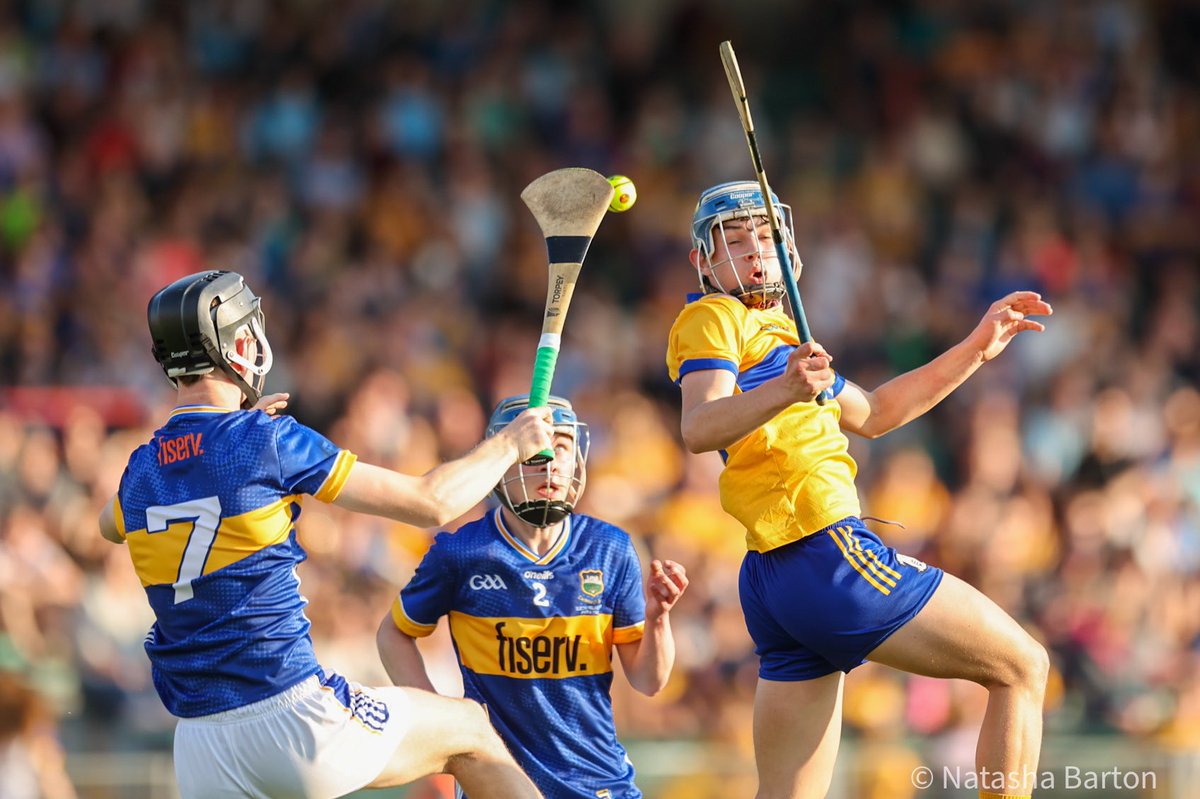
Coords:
pixel 875 565
pixel 857 567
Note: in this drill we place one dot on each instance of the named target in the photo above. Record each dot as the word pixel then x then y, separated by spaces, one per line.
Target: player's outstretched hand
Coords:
pixel 1005 319
pixel 272 403
pixel 808 372
pixel 666 583
pixel 532 432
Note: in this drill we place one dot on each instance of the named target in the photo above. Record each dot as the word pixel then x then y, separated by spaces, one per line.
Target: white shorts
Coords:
pixel 303 743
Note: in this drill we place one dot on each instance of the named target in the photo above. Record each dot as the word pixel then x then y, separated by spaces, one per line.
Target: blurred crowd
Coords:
pixel 360 162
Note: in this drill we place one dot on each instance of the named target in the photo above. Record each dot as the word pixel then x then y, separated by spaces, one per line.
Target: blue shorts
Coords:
pixel 823 603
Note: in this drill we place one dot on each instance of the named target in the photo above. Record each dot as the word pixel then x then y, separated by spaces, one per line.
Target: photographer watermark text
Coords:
pixel 1071 778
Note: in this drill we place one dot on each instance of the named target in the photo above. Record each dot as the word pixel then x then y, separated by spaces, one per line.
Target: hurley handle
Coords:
pixel 539 390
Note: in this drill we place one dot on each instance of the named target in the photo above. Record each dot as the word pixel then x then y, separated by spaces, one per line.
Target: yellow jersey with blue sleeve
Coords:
pixel 208 508
pixel 534 637
pixel 793 475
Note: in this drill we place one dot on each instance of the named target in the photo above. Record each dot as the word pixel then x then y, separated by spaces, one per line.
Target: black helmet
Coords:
pixel 194 323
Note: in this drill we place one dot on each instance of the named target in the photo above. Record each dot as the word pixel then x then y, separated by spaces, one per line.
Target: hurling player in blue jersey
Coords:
pixel 820 592
pixel 537 596
pixel 208 509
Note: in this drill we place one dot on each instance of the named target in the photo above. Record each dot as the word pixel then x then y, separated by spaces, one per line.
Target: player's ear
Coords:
pixel 242 346
pixel 697 260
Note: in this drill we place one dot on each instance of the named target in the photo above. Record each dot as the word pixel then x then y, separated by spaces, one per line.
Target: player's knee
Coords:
pixel 1037 669
pixel 480 737
pixel 1026 666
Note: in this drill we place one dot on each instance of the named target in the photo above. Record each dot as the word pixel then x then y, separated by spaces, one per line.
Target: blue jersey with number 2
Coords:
pixel 208 508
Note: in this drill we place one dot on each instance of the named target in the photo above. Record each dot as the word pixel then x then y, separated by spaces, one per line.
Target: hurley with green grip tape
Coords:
pixel 569 205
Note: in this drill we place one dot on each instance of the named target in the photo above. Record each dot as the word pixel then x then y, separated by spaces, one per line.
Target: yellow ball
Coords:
pixel 624 193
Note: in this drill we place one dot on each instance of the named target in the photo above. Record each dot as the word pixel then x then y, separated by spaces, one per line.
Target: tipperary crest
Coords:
pixel 591 582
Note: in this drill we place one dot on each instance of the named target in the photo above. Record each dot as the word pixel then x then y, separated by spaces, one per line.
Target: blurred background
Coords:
pixel 360 163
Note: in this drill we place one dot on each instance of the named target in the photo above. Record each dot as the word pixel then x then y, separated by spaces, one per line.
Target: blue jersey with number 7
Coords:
pixel 208 508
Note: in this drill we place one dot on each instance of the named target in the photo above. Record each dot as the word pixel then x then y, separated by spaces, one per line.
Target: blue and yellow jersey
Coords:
pixel 534 637
pixel 208 508
pixel 794 475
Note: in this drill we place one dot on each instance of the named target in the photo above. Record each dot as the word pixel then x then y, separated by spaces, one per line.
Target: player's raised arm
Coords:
pixel 904 398
pixel 713 416
pixel 452 489
pixel 648 661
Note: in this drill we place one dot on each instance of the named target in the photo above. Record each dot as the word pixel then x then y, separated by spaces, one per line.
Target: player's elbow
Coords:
pixel 649 684
pixel 694 437
pixel 424 514
pixel 651 688
pixel 869 432
pixel 441 513
pixel 876 426
pixel 432 504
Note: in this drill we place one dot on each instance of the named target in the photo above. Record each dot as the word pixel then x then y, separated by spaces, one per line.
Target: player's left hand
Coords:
pixel 272 403
pixel 1005 319
pixel 667 582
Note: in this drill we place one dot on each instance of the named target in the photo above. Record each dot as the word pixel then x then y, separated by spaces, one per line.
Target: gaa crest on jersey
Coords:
pixel 591 582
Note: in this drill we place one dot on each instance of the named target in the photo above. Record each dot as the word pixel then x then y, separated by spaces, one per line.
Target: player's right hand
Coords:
pixel 532 432
pixel 808 372
pixel 272 404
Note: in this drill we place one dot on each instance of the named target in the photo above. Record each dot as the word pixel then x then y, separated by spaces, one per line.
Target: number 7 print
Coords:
pixel 205 516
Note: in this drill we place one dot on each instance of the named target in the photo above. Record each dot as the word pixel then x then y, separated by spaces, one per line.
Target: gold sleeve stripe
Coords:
pixel 849 559
pixel 119 517
pixel 332 486
pixel 855 547
pixel 627 635
pixel 406 625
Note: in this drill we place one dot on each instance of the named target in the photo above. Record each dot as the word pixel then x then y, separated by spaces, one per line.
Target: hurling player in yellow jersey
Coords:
pixel 819 591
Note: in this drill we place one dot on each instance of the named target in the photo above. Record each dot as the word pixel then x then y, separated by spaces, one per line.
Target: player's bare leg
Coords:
pixel 962 634
pixel 455 736
pixel 797 729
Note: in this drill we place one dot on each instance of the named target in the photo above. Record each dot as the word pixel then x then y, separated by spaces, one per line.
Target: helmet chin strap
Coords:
pixel 538 511
pixel 541 513
pixel 763 296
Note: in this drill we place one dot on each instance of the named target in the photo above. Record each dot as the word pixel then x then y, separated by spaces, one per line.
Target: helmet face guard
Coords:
pixel 741 202
pixel 195 323
pixel 518 490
